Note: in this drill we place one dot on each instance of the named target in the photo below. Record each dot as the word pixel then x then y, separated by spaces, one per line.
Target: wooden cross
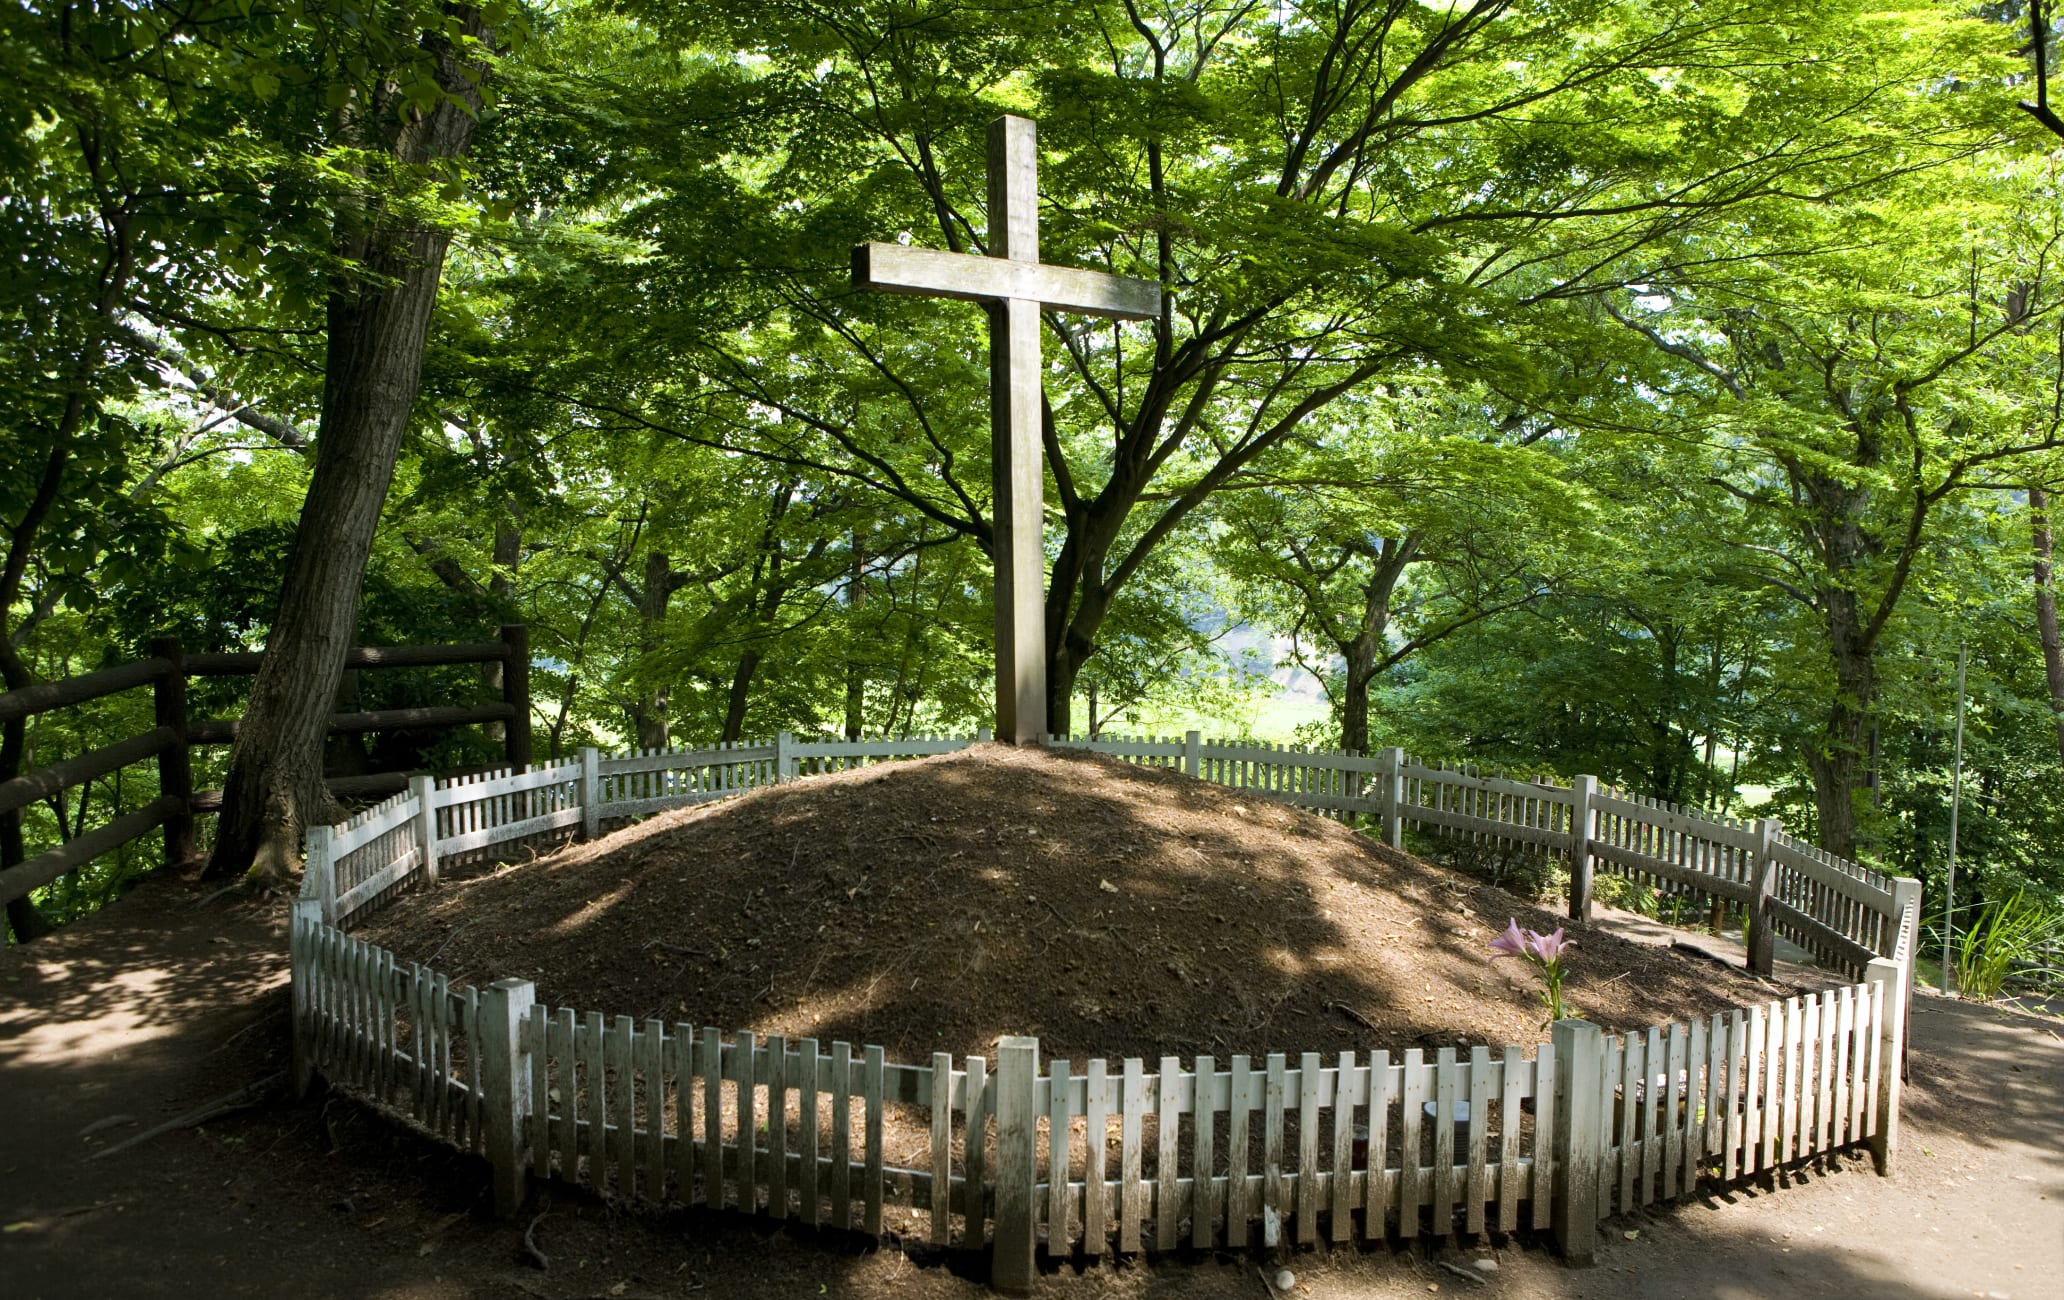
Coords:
pixel 1014 285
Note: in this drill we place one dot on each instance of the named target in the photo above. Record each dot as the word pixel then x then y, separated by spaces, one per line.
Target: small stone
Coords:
pixel 1285 1279
pixel 1487 1266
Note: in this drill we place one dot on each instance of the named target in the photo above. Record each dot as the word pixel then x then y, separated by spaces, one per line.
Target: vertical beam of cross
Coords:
pixel 1016 412
pixel 1014 285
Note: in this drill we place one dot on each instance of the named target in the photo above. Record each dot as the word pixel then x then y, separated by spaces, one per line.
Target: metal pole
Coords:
pixel 1956 798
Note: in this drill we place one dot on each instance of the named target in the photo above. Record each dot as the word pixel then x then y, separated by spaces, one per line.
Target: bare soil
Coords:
pixel 160 1002
pixel 1110 909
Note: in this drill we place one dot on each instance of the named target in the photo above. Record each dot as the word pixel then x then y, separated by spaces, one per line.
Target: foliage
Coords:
pixel 1648 390
pixel 2007 934
pixel 1544 953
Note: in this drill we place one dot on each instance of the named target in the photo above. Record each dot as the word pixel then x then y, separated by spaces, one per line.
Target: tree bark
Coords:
pixel 378 321
pixel 1363 652
pixel 2046 609
pixel 741 693
pixel 649 715
pixel 1838 761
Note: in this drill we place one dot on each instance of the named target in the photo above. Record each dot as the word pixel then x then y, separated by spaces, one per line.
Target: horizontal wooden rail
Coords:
pixel 223 731
pixel 45 696
pixel 46 867
pixel 352 787
pixel 238 663
pixel 25 790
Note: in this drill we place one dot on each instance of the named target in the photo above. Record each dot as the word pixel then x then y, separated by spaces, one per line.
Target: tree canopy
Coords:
pixel 1663 390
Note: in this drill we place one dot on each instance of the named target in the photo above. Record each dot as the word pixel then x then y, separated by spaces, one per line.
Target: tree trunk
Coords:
pixel 741 689
pixel 501 585
pixel 379 319
pixel 2046 609
pixel 1837 762
pixel 649 715
pixel 856 671
pixel 1363 653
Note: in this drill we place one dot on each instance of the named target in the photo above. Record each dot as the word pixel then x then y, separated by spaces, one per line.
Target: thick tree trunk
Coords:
pixel 2046 609
pixel 379 319
pixel 1839 759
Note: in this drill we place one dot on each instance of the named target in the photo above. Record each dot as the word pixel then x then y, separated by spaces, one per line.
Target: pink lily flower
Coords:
pixel 1512 943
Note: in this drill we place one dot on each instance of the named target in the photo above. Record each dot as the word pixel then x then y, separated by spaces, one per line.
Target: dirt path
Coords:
pixel 158 1004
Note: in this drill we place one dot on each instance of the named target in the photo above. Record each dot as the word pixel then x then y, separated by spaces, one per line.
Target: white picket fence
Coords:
pixel 1102 1156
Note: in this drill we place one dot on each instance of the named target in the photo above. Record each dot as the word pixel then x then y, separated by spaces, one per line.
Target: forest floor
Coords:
pixel 160 1003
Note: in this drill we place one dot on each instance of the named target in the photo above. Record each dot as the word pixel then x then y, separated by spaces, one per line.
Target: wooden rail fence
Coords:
pixel 173 736
pixel 1104 1156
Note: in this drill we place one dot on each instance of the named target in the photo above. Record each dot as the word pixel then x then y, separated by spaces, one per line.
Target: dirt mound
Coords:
pixel 1109 909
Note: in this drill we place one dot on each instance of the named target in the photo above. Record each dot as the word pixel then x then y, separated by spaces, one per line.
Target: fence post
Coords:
pixel 321 867
pixel 1017 1136
pixel 175 761
pixel 307 917
pixel 1884 1141
pixel 984 735
pixel 1579 1056
pixel 1391 770
pixel 590 792
pixel 516 694
pixel 1193 753
pixel 505 1085
pixel 784 756
pixel 1763 889
pixel 1906 898
pixel 424 789
pixel 1583 831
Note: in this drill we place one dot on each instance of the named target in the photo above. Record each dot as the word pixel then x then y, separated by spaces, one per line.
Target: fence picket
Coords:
pixel 1446 1088
pixel 1474 1193
pixel 1382 1088
pixel 1826 1127
pixel 842 1138
pixel 1673 1091
pixel 871 1072
pixel 1095 1111
pixel 1308 1148
pixel 681 1044
pixel 595 1086
pixel 807 1138
pixel 623 1098
pixel 1168 1132
pixel 1347 1084
pixel 1411 1191
pixel 540 1134
pixel 710 1068
pixel 1057 1162
pixel 942 1149
pixel 1544 1133
pixel 1132 1104
pixel 650 1045
pixel 1272 1187
pixel 1514 1079
pixel 975 1213
pixel 1239 1104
